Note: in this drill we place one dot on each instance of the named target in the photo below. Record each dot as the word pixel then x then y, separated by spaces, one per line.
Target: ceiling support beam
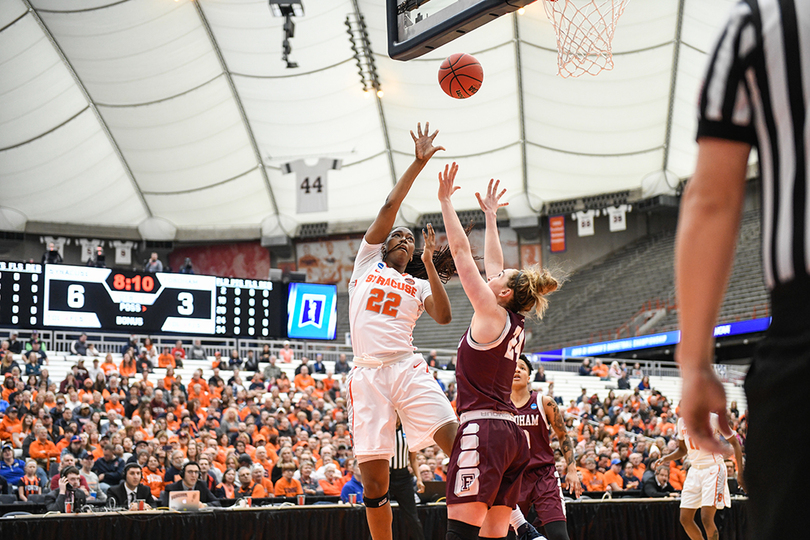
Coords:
pixel 102 123
pixel 524 166
pixel 673 82
pixel 249 131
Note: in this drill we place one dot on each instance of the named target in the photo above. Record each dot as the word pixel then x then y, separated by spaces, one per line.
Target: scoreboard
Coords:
pixel 63 296
pixel 20 294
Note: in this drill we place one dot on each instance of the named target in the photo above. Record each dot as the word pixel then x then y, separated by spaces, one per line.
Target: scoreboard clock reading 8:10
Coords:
pixel 252 308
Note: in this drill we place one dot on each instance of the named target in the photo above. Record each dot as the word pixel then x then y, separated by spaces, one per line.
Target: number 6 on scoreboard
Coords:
pixel 186 306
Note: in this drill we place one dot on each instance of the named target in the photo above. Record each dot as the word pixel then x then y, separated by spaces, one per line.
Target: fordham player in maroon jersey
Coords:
pixel 540 485
pixel 490 450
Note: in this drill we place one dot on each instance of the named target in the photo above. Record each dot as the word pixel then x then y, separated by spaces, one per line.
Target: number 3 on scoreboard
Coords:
pixel 186 306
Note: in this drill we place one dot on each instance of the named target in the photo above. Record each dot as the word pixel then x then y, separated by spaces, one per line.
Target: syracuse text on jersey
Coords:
pixel 395 283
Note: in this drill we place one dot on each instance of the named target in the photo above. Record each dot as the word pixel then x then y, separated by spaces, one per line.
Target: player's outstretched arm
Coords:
pixel 566 443
pixel 438 303
pixel 481 296
pixel 677 454
pixel 738 458
pixel 493 253
pixel 423 151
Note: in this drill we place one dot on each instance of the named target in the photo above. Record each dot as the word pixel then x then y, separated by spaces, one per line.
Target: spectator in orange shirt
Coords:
pixel 303 380
pixel 127 367
pixel 166 359
pixel 114 404
pixel 153 475
pixel 333 482
pixel 613 476
pixel 108 366
pixel 600 369
pixel 42 449
pixel 197 378
pixel 260 477
pixel 247 487
pixel 11 425
pixel 287 486
pixel 169 379
pixel 638 466
pixel 592 479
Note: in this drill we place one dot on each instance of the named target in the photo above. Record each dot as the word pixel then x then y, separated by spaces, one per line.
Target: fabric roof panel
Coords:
pixel 136 52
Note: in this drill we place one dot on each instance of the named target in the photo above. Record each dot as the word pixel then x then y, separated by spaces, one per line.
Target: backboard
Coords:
pixel 416 27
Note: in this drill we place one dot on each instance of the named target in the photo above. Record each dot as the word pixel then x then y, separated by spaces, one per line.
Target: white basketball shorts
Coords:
pixel 377 394
pixel 706 487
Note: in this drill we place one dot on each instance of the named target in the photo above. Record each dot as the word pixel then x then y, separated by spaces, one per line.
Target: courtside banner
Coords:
pixel 556 230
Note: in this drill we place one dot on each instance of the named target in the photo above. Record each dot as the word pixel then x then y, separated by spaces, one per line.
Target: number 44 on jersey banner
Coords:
pixel 311 195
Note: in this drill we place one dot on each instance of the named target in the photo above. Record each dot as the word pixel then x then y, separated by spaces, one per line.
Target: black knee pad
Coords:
pixel 556 530
pixel 458 530
pixel 379 502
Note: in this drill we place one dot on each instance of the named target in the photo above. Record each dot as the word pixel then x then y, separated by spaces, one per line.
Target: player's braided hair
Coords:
pixel 442 260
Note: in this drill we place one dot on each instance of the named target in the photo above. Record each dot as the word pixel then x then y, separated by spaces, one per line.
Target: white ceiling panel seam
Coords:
pixel 202 188
pixel 83 10
pixel 249 131
pixel 92 106
pixel 15 21
pixel 46 132
pixel 156 101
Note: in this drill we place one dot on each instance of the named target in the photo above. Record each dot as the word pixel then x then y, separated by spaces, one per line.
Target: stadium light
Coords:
pixel 287 9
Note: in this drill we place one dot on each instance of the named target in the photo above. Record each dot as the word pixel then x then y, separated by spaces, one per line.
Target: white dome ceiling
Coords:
pixel 115 113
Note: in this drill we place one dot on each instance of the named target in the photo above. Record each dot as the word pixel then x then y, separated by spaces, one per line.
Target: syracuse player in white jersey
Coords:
pixel 706 485
pixel 388 378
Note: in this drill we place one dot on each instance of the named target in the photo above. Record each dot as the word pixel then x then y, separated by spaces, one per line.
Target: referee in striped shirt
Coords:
pixel 756 93
pixel 400 486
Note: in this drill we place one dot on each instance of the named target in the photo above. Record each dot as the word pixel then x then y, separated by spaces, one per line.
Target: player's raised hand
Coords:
pixel 423 142
pixel 490 203
pixel 447 181
pixel 429 236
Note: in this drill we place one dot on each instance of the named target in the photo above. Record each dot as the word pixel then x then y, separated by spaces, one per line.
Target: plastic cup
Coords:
pixel 140 505
pixel 352 498
pixel 248 502
pixel 300 500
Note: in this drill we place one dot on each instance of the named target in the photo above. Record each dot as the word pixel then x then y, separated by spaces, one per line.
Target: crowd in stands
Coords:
pixel 253 431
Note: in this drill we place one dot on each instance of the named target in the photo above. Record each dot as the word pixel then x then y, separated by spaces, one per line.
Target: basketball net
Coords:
pixel 584 31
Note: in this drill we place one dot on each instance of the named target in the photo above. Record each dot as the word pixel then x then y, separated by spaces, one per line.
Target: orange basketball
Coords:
pixel 460 75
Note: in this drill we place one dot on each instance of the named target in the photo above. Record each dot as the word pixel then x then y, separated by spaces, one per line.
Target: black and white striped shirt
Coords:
pixel 400 459
pixel 757 90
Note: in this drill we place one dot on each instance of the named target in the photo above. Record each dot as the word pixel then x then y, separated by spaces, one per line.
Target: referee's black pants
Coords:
pixel 778 437
pixel 400 489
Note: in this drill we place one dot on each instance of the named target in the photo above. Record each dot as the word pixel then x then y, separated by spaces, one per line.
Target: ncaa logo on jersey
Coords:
pixel 410 281
pixel 312 310
pixel 380 265
pixel 534 406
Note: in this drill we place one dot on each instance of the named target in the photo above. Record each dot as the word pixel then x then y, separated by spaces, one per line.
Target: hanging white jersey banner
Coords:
pixel 59 242
pixel 585 222
pixel 123 252
pixel 89 248
pixel 617 217
pixel 311 181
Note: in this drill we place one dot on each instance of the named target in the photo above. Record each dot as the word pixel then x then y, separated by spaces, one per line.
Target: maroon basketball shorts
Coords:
pixel 541 487
pixel 487 462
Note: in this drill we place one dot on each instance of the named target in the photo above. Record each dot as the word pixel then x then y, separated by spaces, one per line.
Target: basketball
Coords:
pixel 460 75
